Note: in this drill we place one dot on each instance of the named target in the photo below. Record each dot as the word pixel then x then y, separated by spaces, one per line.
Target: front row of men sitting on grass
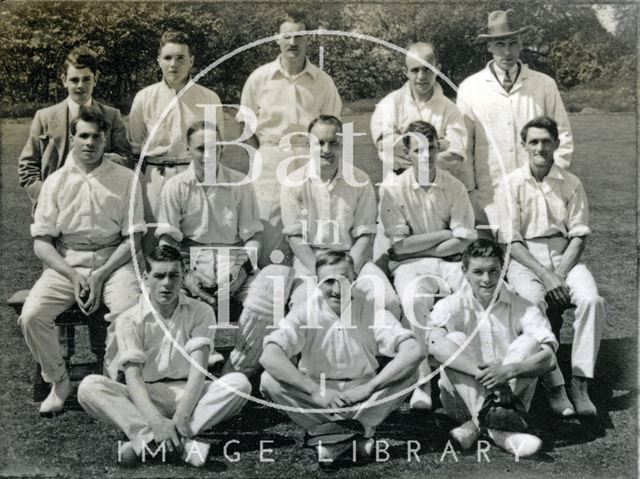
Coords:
pixel 493 343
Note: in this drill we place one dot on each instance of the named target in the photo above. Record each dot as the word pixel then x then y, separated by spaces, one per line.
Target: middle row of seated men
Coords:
pixel 426 215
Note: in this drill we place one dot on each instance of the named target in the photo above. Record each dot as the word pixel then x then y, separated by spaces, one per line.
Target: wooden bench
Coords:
pixel 67 322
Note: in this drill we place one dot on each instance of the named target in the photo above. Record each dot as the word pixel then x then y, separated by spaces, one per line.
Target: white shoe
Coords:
pixel 559 402
pixel 517 443
pixel 195 452
pixel 421 397
pixel 466 434
pixel 54 402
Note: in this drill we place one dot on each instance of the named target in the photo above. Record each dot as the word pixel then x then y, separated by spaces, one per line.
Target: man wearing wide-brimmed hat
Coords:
pixel 496 103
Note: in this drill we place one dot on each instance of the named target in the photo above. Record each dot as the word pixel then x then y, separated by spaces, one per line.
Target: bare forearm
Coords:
pixel 45 251
pixel 449 247
pixel 360 252
pixel 303 252
pixel 522 255
pixel 120 256
pixel 421 242
pixel 139 395
pixel 571 255
pixel 253 245
pixel 535 365
pixel 400 367
pixel 195 383
pixel 443 349
pixel 278 365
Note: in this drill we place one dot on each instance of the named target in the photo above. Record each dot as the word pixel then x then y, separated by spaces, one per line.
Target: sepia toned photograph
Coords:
pixel 357 239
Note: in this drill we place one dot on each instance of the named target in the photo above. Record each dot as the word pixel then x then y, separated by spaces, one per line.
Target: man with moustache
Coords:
pixel 548 228
pixel 284 95
pixel 496 102
pixel 496 344
pixel 166 154
pixel 81 230
pixel 49 142
pixel 161 347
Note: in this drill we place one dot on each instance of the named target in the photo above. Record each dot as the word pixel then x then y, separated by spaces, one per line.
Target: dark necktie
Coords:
pixel 507 83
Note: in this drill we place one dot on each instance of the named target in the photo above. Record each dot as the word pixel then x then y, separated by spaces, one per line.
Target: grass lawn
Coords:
pixel 77 446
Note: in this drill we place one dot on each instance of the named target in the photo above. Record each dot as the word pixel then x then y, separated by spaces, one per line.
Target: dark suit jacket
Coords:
pixel 47 146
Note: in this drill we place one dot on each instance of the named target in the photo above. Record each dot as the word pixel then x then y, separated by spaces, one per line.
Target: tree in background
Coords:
pixel 568 42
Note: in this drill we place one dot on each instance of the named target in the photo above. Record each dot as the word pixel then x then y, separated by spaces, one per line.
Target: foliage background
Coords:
pixel 568 42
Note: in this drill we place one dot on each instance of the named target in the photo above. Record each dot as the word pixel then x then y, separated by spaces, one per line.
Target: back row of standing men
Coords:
pixel 426 227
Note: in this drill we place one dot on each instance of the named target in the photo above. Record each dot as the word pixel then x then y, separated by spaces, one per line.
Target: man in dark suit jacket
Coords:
pixel 49 143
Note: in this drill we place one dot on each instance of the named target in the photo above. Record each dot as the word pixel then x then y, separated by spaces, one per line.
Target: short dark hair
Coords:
pixel 89 114
pixel 543 122
pixel 175 36
pixel 162 254
pixel 333 256
pixel 482 248
pixel 328 119
pixel 81 57
pixel 200 126
pixel 295 16
pixel 423 128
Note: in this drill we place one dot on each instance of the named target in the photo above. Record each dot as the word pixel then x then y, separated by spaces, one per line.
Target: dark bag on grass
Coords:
pixel 510 416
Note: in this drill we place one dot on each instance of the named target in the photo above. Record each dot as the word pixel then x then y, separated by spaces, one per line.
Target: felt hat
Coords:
pixel 502 24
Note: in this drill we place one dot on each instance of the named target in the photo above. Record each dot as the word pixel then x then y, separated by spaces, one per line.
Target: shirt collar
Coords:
pixel 146 305
pixel 437 94
pixel 555 173
pixel 513 71
pixel 73 164
pixel 311 173
pixel 166 86
pixel 437 181
pixel 74 108
pixel 504 295
pixel 222 175
pixel 309 68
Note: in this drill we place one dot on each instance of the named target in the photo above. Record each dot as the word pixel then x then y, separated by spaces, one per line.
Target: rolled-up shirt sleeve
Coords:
pixel 45 217
pixel 203 331
pixel 462 220
pixel 456 132
pixel 289 336
pixel 445 315
pixel 578 213
pixel 510 223
pixel 364 217
pixel 389 333
pixel 138 225
pixel 137 128
pixel 129 339
pixel 332 103
pixel 392 217
pixel 170 216
pixel 292 206
pixel 536 325
pixel 248 216
pixel 249 97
